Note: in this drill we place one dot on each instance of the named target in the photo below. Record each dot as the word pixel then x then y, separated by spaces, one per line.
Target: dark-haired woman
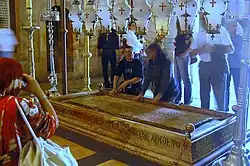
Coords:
pixel 160 75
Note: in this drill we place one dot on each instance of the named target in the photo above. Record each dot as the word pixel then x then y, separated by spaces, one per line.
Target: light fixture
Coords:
pixel 75 16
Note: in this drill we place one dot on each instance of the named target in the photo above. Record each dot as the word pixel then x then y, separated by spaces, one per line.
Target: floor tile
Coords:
pixel 112 163
pixel 79 152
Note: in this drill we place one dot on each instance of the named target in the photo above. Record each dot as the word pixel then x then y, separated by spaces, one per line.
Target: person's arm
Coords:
pixel 223 49
pixel 133 80
pixel 238 45
pixel 164 82
pixel 99 45
pixel 137 73
pixel 116 42
pixel 226 45
pixel 99 42
pixel 146 81
pixel 119 71
pixel 34 88
pixel 115 81
pixel 193 50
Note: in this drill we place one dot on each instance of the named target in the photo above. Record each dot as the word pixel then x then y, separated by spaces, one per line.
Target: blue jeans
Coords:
pixel 235 74
pixel 181 70
pixel 217 80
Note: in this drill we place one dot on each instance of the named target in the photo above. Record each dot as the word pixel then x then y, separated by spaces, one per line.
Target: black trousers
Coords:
pixel 108 56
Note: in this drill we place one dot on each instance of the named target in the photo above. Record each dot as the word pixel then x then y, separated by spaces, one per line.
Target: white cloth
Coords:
pixel 199 41
pixel 133 41
pixel 8 40
pixel 203 38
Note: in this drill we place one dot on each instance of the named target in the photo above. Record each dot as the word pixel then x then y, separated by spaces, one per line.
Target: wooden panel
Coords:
pixel 12 5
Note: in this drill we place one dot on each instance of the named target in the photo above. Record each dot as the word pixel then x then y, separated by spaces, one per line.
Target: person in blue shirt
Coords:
pixel 132 71
pixel 8 42
pixel 234 59
pixel 160 75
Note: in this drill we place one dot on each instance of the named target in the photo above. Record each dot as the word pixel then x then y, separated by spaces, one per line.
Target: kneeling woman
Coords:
pixel 160 75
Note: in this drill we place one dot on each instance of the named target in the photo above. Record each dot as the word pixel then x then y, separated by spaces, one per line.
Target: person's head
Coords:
pixel 153 51
pixel 11 77
pixel 232 27
pixel 8 42
pixel 128 52
pixel 203 21
pixel 132 26
pixel 124 42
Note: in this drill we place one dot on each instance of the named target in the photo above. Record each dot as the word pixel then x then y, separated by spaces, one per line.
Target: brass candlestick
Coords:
pixel 49 16
pixel 30 28
pixel 87 55
pixel 161 36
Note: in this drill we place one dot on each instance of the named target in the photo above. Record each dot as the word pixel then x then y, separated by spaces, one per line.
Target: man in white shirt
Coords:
pixel 8 42
pixel 133 41
pixel 213 67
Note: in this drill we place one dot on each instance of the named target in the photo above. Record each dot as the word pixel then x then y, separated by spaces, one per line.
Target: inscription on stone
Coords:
pixel 4 14
pixel 209 143
pixel 126 130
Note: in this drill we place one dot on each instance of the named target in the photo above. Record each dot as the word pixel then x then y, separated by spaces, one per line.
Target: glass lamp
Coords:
pixel 89 17
pixel 142 13
pixel 103 13
pixel 121 13
pixel 75 15
pixel 162 12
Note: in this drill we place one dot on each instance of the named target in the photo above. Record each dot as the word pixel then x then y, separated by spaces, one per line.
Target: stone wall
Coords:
pixel 39 38
pixel 40 44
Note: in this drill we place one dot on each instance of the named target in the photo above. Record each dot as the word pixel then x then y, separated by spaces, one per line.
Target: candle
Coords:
pixel 132 3
pixel 29 4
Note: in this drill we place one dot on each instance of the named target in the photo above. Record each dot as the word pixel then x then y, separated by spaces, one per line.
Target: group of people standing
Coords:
pixel 138 74
pixel 219 56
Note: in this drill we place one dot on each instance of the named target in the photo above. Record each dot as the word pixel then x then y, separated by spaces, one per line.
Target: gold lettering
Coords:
pixel 125 129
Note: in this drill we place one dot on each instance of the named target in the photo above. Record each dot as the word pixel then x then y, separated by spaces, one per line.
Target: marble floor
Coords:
pixel 89 152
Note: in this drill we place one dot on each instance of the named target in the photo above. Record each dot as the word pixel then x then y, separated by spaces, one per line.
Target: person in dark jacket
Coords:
pixel 160 75
pixel 107 45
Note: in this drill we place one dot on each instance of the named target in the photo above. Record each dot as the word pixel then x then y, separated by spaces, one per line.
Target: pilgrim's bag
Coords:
pixel 40 152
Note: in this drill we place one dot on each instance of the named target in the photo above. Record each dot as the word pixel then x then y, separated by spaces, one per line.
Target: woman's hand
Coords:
pixel 138 98
pixel 32 85
pixel 155 101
